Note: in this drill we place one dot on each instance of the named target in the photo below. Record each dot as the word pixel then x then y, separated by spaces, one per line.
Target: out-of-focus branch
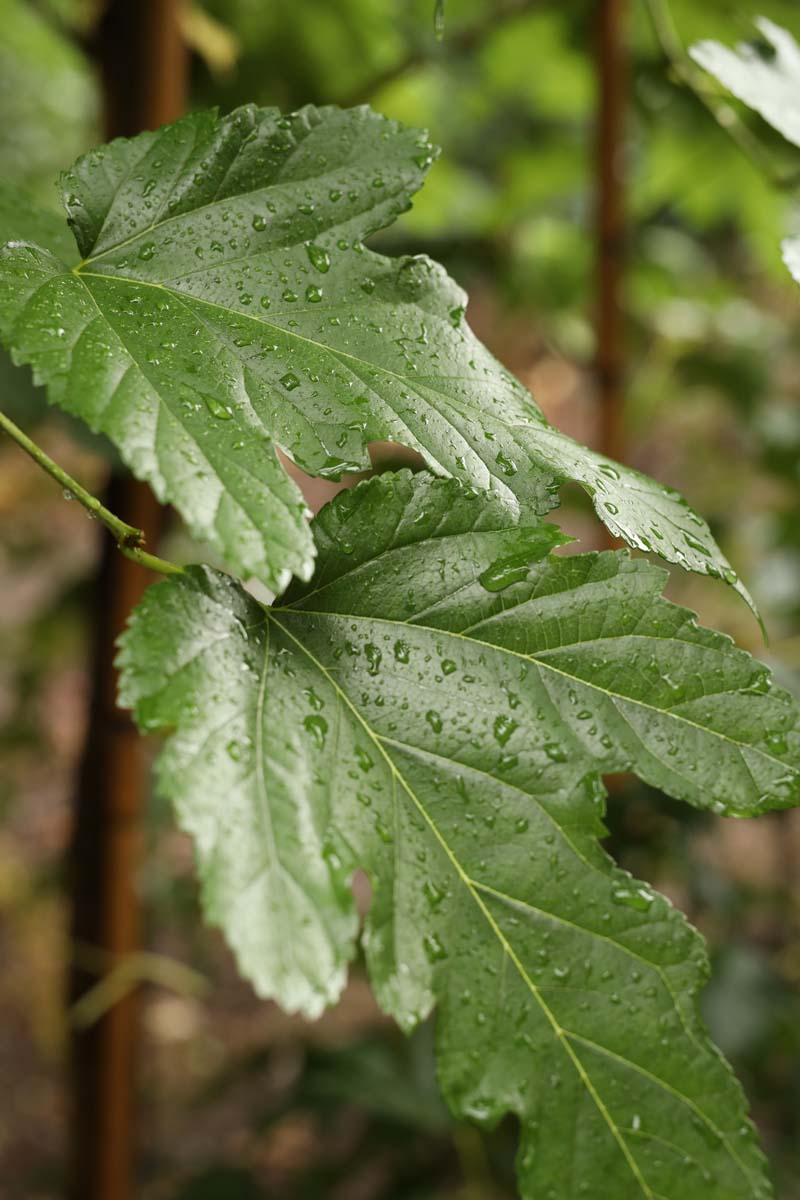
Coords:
pixel 143 61
pixel 457 44
pixel 609 360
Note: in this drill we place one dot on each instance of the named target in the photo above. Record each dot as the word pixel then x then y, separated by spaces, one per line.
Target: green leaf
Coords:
pixel 24 220
pixel 790 248
pixel 436 707
pixel 771 85
pixel 226 304
pixel 48 100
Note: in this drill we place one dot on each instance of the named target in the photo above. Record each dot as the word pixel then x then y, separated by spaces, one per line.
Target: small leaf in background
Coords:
pixel 770 85
pixel 436 707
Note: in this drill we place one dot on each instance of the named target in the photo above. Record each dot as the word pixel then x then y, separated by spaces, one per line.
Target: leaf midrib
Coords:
pixel 473 887
pixel 614 697
pixel 560 1033
pixel 159 223
pixel 500 487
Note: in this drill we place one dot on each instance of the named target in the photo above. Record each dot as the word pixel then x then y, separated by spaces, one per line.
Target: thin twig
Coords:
pixel 119 978
pixel 459 43
pixel 129 539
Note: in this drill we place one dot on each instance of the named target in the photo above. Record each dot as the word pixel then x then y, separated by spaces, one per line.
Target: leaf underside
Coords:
pixel 436 707
pixel 770 86
pixel 225 305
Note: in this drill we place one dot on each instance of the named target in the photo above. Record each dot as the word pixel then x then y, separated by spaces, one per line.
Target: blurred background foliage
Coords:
pixel 239 1101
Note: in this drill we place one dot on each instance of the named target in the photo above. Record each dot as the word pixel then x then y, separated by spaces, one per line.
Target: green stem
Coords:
pixel 129 539
pixel 151 561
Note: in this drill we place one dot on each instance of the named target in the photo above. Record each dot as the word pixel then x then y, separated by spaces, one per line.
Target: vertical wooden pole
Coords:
pixel 609 363
pixel 143 65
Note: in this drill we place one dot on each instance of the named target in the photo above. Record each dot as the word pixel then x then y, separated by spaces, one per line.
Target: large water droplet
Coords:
pixel 401 652
pixel 318 727
pixel 318 257
pixel 434 720
pixel 632 895
pixel 503 728
pixel 217 409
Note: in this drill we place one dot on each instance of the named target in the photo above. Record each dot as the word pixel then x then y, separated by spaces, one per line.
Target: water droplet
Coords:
pixel 401 652
pixel 290 381
pixel 363 759
pixel 374 657
pixel 147 251
pixel 259 223
pixel 318 257
pixel 318 727
pixel 506 464
pixel 383 832
pixel 217 409
pixel 504 572
pixel 434 950
pixel 696 545
pixel 313 294
pixel 448 666
pixel 434 720
pixel 555 752
pixel 632 895
pixel 503 728
pixel 433 894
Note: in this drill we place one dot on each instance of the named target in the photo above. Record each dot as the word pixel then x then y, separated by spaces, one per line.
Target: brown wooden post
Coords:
pixel 143 64
pixel 609 363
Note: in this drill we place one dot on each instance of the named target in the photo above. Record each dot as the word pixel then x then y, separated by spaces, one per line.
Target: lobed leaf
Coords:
pixel 436 707
pixel 770 85
pixel 226 305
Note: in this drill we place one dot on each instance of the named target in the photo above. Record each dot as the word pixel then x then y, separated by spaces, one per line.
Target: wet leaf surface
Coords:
pixel 437 707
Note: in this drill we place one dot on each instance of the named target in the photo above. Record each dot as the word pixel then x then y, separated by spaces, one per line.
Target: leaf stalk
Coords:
pixel 129 539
